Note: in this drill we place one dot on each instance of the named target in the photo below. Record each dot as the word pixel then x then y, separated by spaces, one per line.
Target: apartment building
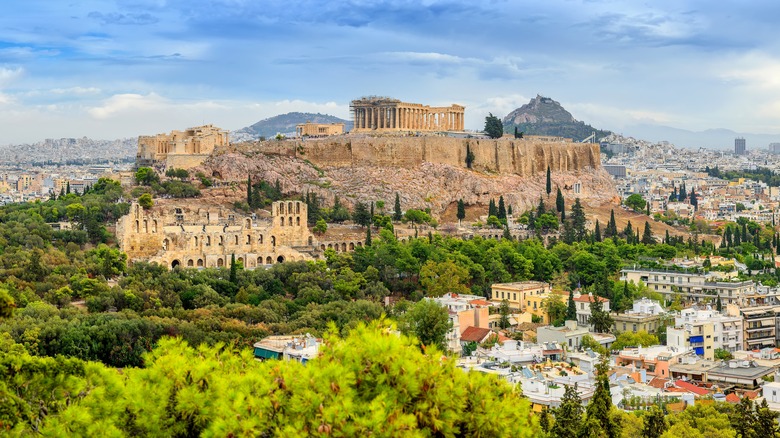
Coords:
pixel 694 287
pixel 705 330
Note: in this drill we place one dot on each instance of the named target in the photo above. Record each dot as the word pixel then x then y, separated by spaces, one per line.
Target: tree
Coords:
pixel 631 339
pixel 600 319
pixel 569 415
pixel 578 221
pixel 647 235
pixel 571 308
pixel 492 209
pixel 144 176
pixel 501 213
pixel 694 200
pixel 600 406
pixel 635 202
pixel 493 126
pixel 249 199
pixel 361 215
pixel 397 215
pixel 339 213
pixel 469 156
pixel 555 309
pixel 723 354
pixel 611 230
pixel 368 237
pixel 718 303
pixel 461 210
pixel 427 321
pixel 559 202
pixel 654 423
pixel 597 232
pixel 743 418
pixel 548 186
pixel 540 209
pixel 7 304
pixel 503 310
pixel 145 201
pixel 233 269
pixel 438 278
pixel 765 421
pixel 321 227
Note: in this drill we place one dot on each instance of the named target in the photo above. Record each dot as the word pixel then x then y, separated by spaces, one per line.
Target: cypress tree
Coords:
pixel 492 210
pixel 461 210
pixel 578 220
pixel 654 423
pixel 744 233
pixel 531 220
pixel 601 404
pixel 571 309
pixel 397 208
pixel 549 181
pixel 683 193
pixel 719 304
pixel 501 208
pixel 540 210
pixel 569 415
pixel 233 269
pixel 509 210
pixel 647 235
pixel 611 230
pixel 67 188
pixel 368 236
pixel 559 202
pixel 597 232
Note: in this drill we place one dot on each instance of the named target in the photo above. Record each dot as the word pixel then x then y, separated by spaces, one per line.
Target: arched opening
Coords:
pixel 343 247
pixel 289 221
pixel 281 221
pixel 146 226
pixel 289 207
pixel 248 239
pixel 360 244
pixel 236 240
pixel 208 240
pixel 351 246
pixel 165 244
pixel 298 221
pixel 220 263
pixel 268 260
pixel 137 226
pixel 240 260
pixel 330 246
pixel 259 260
pixel 281 208
pixel 273 240
pixel 190 263
pixel 196 241
pixel 221 240
pixel 154 226
pixel 311 241
pixel 280 259
pixel 175 264
pixel 297 208
pixel 260 239
pixel 322 247
pixel 249 223
pixel 200 263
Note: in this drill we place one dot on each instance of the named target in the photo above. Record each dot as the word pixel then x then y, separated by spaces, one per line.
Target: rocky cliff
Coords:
pixel 427 172
pixel 544 116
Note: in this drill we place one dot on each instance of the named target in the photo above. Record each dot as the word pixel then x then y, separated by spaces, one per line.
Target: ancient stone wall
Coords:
pixel 208 236
pixel 524 157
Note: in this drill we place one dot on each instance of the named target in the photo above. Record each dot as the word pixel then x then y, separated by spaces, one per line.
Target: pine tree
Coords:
pixel 540 210
pixel 654 423
pixel 571 309
pixel 397 208
pixel 744 418
pixel 647 235
pixel 578 221
pixel 597 232
pixel 765 421
pixel 461 210
pixel 549 181
pixel 501 208
pixel 559 202
pixel 361 215
pixel 601 404
pixel 569 415
pixel 368 236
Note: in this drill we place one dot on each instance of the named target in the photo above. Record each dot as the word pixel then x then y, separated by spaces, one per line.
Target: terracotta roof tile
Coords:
pixel 691 387
pixel 474 334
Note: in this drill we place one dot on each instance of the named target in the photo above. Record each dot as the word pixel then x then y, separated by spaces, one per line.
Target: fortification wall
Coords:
pixel 524 157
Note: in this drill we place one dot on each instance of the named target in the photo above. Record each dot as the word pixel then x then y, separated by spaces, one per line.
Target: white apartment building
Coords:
pixel 699 288
pixel 704 331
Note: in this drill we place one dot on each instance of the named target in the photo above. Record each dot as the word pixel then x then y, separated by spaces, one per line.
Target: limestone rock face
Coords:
pixel 426 172
pixel 539 110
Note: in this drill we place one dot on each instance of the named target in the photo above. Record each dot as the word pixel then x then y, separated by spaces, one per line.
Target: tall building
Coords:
pixel 774 148
pixel 739 146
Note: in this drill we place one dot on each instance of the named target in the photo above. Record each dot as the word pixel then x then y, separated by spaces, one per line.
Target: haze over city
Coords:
pixel 123 68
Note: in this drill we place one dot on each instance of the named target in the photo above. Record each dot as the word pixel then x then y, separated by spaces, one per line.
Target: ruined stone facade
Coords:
pixel 207 237
pixel 180 149
pixel 309 129
pixel 387 114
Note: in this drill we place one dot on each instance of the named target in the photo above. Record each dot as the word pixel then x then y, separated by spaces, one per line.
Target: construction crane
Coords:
pixel 590 139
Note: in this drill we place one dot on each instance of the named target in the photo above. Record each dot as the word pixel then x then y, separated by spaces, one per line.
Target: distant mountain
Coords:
pixel 710 138
pixel 544 116
pixel 283 124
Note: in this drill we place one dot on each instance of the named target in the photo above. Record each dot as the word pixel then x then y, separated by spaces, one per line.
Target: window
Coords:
pixel 624 326
pixel 634 328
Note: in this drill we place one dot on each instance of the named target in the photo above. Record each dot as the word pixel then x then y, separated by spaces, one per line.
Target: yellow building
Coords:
pixel 518 293
pixel 309 129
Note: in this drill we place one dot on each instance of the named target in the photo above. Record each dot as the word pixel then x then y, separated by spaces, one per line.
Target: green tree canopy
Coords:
pixel 493 126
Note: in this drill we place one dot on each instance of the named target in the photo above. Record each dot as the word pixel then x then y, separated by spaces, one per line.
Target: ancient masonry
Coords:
pixel 387 114
pixel 180 149
pixel 309 129
pixel 208 237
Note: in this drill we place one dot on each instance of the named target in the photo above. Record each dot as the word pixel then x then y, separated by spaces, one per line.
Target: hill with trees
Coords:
pixel 544 116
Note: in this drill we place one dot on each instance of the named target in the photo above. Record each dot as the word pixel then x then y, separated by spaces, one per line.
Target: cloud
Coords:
pixel 124 19
pixel 8 74
pixel 121 103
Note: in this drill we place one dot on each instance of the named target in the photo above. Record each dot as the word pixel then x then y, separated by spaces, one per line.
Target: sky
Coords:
pixel 115 69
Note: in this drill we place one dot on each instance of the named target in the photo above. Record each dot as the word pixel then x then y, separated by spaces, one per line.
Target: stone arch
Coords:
pixel 236 239
pixel 221 240
pixel 248 223
pixel 351 246
pixel 154 226
pixel 289 207
pixel 298 207
pixel 137 226
pixel 260 239
pixel 289 221
pixel 240 260
pixel 280 259
pixel 281 221
pixel 343 247
pixel 322 247
pixel 220 262
pixel 330 246
pixel 175 264
pixel 248 239
pixel 190 263
pixel 268 260
pixel 165 244
pixel 360 244
pixel 200 263
pixel 298 221
pixel 281 208
pixel 146 226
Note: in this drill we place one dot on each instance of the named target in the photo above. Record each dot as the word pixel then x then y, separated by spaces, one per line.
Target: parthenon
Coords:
pixel 387 114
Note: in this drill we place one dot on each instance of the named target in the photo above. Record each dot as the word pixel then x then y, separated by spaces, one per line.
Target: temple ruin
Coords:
pixel 387 114
pixel 180 149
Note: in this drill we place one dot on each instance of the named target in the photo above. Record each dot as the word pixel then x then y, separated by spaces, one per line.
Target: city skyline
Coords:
pixel 124 68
